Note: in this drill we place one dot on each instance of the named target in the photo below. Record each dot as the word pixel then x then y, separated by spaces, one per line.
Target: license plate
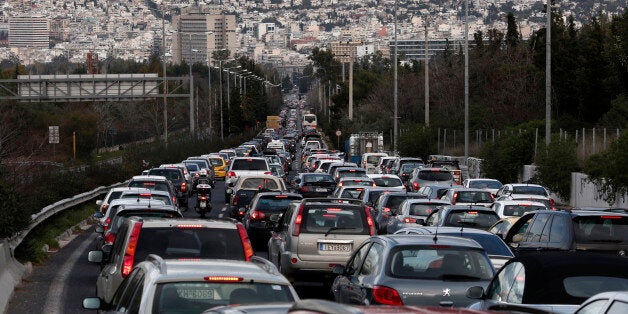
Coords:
pixel 195 294
pixel 203 204
pixel 333 247
pixel 321 190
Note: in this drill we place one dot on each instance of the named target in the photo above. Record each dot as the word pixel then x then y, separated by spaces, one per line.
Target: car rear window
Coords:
pixel 441 262
pixel 249 164
pixel 387 182
pixel 588 286
pixel 373 159
pixel 192 167
pixel 338 219
pixel 163 198
pixel 352 173
pixel 536 190
pixel 519 210
pixel 317 178
pixel 485 184
pixel 435 175
pixel 471 218
pixel 216 161
pixel 491 243
pixel 275 203
pixel 357 182
pixel 200 163
pixel 351 193
pixel 170 174
pixel 114 196
pixel 421 209
pixel 393 201
pixel 118 218
pixel 474 197
pixel 153 185
pixel 189 241
pixel 256 183
pixel 601 229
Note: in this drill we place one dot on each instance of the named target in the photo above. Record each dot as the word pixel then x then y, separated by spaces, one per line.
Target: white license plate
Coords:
pixel 195 294
pixel 333 247
pixel 203 204
pixel 321 190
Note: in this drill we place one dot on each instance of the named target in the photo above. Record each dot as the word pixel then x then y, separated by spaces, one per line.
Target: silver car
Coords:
pixel 419 270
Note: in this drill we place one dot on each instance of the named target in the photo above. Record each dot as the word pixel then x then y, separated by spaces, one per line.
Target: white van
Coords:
pixel 370 161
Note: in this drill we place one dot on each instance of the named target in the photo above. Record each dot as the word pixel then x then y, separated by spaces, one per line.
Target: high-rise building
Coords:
pixel 29 31
pixel 201 30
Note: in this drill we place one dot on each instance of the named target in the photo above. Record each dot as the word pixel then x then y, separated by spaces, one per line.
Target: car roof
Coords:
pixel 149 178
pixel 262 194
pixel 191 222
pixel 519 202
pixel 419 239
pixel 434 169
pixel 465 207
pixel 261 176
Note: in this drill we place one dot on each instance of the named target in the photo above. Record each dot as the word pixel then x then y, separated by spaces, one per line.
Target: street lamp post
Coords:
pixel 192 127
pixel 395 98
pixel 466 79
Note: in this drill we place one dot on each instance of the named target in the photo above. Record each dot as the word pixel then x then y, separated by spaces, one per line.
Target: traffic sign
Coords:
pixel 338 133
pixel 53 134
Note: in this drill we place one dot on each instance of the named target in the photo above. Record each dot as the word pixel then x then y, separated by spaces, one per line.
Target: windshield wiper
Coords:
pixel 454 276
pixel 336 228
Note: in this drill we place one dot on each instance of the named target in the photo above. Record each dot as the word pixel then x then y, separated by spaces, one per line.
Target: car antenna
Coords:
pixel 436 235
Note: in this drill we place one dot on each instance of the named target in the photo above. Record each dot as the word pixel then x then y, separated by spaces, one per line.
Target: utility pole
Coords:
pixel 163 70
pixel 395 99
pixel 466 79
pixel 427 80
pixel 350 86
pixel 548 74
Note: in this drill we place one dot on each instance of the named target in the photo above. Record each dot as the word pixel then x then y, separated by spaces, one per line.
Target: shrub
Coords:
pixel 555 163
pixel 504 158
pixel 609 171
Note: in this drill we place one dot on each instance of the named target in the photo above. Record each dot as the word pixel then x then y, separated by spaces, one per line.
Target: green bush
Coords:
pixel 419 141
pixel 609 170
pixel 504 157
pixel 555 163
pixel 12 219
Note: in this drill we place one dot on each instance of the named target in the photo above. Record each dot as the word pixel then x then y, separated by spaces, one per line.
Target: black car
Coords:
pixel 570 230
pixel 258 215
pixel 388 204
pixel 176 176
pixel 552 281
pixel 313 184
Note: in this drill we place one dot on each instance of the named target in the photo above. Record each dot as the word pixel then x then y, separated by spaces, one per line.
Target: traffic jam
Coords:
pixel 245 229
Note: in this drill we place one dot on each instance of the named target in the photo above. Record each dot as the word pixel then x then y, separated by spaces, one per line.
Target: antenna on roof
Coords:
pixel 436 235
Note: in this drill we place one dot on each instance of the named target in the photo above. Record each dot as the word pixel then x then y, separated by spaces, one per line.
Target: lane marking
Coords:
pixel 54 299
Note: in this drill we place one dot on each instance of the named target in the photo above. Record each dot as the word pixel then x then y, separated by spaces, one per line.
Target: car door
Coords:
pixel 104 283
pixel 128 297
pixel 279 236
pixel 344 287
pixel 535 236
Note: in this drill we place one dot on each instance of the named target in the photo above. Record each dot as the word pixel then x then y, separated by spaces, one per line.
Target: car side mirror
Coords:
pixel 338 270
pixel 99 229
pixel 475 292
pixel 229 191
pixel 420 221
pixel 95 256
pixel 98 202
pixel 91 303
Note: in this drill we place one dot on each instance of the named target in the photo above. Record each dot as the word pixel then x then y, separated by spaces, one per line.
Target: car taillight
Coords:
pixel 305 188
pixel 223 279
pixel 297 222
pixel 415 186
pixel 386 295
pixel 246 242
pixel 129 254
pixel 257 215
pixel 369 221
pixel 109 238
pixel 552 203
pixel 105 226
pixel 231 174
pixel 203 198
pixel 409 220
pixel 234 200
pixel 453 201
pixel 103 209
pixel 174 199
pixel 184 187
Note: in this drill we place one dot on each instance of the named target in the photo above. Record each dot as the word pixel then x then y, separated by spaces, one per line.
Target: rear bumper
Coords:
pixel 309 269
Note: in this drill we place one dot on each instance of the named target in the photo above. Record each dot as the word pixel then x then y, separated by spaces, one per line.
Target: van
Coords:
pixel 370 161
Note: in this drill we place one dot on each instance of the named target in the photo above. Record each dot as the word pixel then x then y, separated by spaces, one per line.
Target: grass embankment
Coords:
pixel 45 234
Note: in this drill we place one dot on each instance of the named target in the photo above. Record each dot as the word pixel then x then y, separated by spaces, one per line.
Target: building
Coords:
pixel 414 49
pixel 264 28
pixel 29 32
pixel 344 50
pixel 201 30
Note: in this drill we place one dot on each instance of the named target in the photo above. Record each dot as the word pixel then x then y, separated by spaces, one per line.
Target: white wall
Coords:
pixel 585 193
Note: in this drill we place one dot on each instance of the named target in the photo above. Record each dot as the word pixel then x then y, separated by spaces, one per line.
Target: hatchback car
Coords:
pixel 159 183
pixel 169 238
pixel 490 185
pixel 317 233
pixel 430 176
pixel 462 216
pixel 516 208
pixel 411 211
pixel 256 220
pixel 313 184
pixel 247 186
pixel 387 205
pixel 552 281
pixel 388 181
pixel 160 285
pixel 468 196
pixel 412 270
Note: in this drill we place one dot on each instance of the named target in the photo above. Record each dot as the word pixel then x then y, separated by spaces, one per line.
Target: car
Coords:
pixel 348 172
pixel 383 162
pixel 569 231
pixel 605 302
pixel 546 201
pixel 399 162
pixel 277 171
pixel 462 216
pixel 516 208
pixel 447 163
pixel 387 205
pixel 146 194
pixel 433 191
pixel 176 176
pixel 159 183
pixel 245 166
pixel 388 181
pixel 554 281
pixel 429 176
pixel 406 171
pixel 112 194
pixel 159 285
pixel 501 227
pixel 332 168
pixel 525 191
pixel 245 188
pixel 371 160
pixel 491 185
pixel 411 211
pixel 317 233
pixel 468 196
pixel 497 250
pixel 219 165
pixel 313 184
pixel 177 238
pixel 421 270
pixel 256 219
pixel 355 181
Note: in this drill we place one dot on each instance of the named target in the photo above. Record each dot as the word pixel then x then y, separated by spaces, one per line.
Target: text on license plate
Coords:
pixel 333 247
pixel 196 294
pixel 321 190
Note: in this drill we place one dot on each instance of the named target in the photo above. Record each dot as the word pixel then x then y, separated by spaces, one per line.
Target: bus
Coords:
pixel 309 119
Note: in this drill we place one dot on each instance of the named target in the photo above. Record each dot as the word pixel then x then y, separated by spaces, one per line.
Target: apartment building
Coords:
pixel 29 32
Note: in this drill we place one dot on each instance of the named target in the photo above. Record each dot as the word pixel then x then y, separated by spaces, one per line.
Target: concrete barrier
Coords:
pixel 11 274
pixel 585 194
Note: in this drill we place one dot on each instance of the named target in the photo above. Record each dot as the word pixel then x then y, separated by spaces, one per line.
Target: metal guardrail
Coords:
pixel 57 207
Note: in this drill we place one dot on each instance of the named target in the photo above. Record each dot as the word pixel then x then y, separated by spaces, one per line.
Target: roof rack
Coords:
pixel 265 264
pixel 158 262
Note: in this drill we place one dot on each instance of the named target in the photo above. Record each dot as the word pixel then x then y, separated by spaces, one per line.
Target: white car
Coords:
pixel 388 181
pixel 516 208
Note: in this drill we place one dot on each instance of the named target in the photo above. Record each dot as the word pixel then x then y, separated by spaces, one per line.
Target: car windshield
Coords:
pixel 194 297
pixel 421 209
pixel 435 176
pixel 373 159
pixel 275 203
pixel 474 197
pixel 192 167
pixel 387 182
pixel 471 218
pixel 527 189
pixel 519 210
pixel 317 178
pixel 256 183
pixel 352 173
pixel 170 174
pixel 601 229
pixel 344 220
pixel 351 193
pixel 249 164
pixel 485 184
pixel 442 262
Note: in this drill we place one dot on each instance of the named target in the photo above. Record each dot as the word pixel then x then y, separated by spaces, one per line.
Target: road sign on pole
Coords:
pixel 338 133
pixel 53 134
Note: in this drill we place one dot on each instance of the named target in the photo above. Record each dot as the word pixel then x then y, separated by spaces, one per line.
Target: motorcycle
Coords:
pixel 203 199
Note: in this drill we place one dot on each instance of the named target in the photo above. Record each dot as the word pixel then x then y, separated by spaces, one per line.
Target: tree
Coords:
pixel 504 158
pixel 512 35
pixel 555 163
pixel 609 170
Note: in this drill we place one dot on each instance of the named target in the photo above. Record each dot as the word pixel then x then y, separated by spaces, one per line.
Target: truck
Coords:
pixel 273 122
pixel 363 142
